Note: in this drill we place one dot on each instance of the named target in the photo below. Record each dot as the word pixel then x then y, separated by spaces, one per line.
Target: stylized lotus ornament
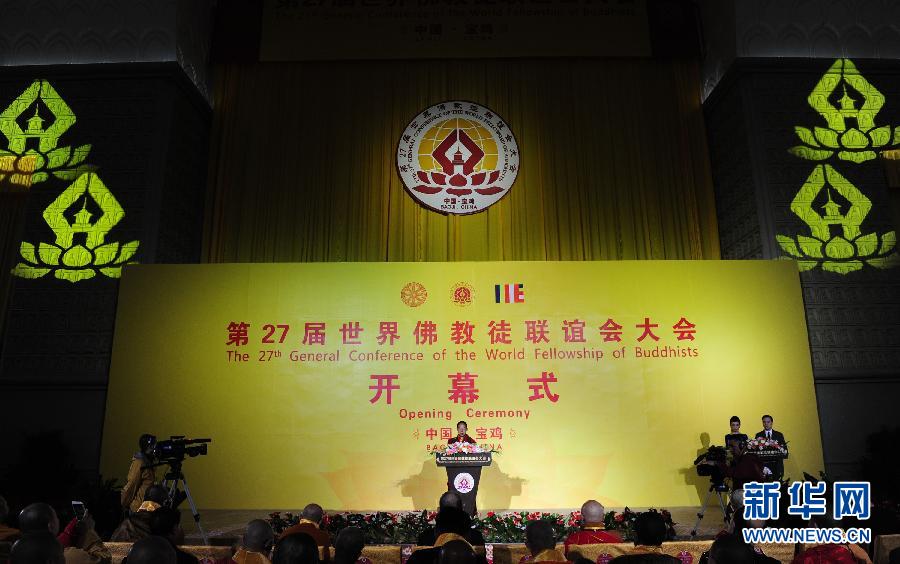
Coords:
pixel 847 251
pixel 457 175
pixel 26 166
pixel 841 255
pixel 856 143
pixel 73 261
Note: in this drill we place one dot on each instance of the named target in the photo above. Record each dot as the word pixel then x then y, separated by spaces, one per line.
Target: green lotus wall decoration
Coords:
pixel 24 165
pixel 848 250
pixel 73 261
pixel 849 104
pixel 83 214
pixel 857 142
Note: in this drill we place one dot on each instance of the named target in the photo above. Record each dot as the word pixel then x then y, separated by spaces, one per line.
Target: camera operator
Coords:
pixel 139 476
pixel 745 467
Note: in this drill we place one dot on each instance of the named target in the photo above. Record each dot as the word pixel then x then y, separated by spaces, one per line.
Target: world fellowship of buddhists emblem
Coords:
pixel 457 158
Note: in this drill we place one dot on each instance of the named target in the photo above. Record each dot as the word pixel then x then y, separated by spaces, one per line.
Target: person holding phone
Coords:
pixel 79 539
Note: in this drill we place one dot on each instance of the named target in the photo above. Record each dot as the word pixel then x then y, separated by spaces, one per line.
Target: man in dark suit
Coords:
pixel 774 466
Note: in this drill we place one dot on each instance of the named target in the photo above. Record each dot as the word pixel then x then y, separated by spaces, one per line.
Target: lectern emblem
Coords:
pixel 457 157
pixel 464 482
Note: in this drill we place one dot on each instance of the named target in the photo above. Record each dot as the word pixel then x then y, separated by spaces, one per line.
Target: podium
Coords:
pixel 463 475
pixel 772 459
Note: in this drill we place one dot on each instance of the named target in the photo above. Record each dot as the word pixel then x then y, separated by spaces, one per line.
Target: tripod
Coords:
pixel 175 475
pixel 719 490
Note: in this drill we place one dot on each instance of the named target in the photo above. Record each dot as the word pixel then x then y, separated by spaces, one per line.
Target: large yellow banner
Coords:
pixel 330 382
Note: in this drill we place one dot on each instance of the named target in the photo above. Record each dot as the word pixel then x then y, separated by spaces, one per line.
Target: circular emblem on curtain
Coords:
pixel 458 158
pixel 464 483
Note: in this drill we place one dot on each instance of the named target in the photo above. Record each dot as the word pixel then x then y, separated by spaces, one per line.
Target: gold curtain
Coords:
pixel 614 163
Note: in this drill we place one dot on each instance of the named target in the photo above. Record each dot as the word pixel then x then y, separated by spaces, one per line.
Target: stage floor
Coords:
pixel 225 526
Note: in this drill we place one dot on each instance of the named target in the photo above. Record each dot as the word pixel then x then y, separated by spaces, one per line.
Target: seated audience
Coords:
pixel 296 548
pixel 151 550
pixel 258 541
pixel 137 525
pixel 348 545
pixel 80 542
pixel 39 517
pixel 310 520
pixel 165 522
pixel 592 528
pixel 451 499
pixel 7 533
pixel 728 549
pixel 540 542
pixel 451 525
pixel 649 533
pixel 848 553
pixel 38 547
pixel 457 552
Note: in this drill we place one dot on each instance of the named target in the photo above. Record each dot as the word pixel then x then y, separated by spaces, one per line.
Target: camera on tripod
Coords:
pixel 717 485
pixel 172 453
pixel 178 447
pixel 712 454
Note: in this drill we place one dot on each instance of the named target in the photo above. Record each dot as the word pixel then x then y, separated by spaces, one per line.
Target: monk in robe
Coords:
pixel 139 476
pixel 310 520
pixel 592 529
pixel 650 531
pixel 540 542
pixel 257 546
pixel 450 526
pixel 848 553
pixel 462 429
pixel 137 525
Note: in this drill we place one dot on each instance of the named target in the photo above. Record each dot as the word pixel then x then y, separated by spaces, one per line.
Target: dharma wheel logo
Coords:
pixel 414 294
pixel 83 214
pixel 831 207
pixel 457 158
pixel 464 482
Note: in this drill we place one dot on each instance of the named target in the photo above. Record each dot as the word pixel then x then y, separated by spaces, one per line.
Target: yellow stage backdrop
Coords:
pixel 329 382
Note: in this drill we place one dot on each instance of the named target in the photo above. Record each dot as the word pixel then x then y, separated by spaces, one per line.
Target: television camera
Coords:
pixel 172 453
